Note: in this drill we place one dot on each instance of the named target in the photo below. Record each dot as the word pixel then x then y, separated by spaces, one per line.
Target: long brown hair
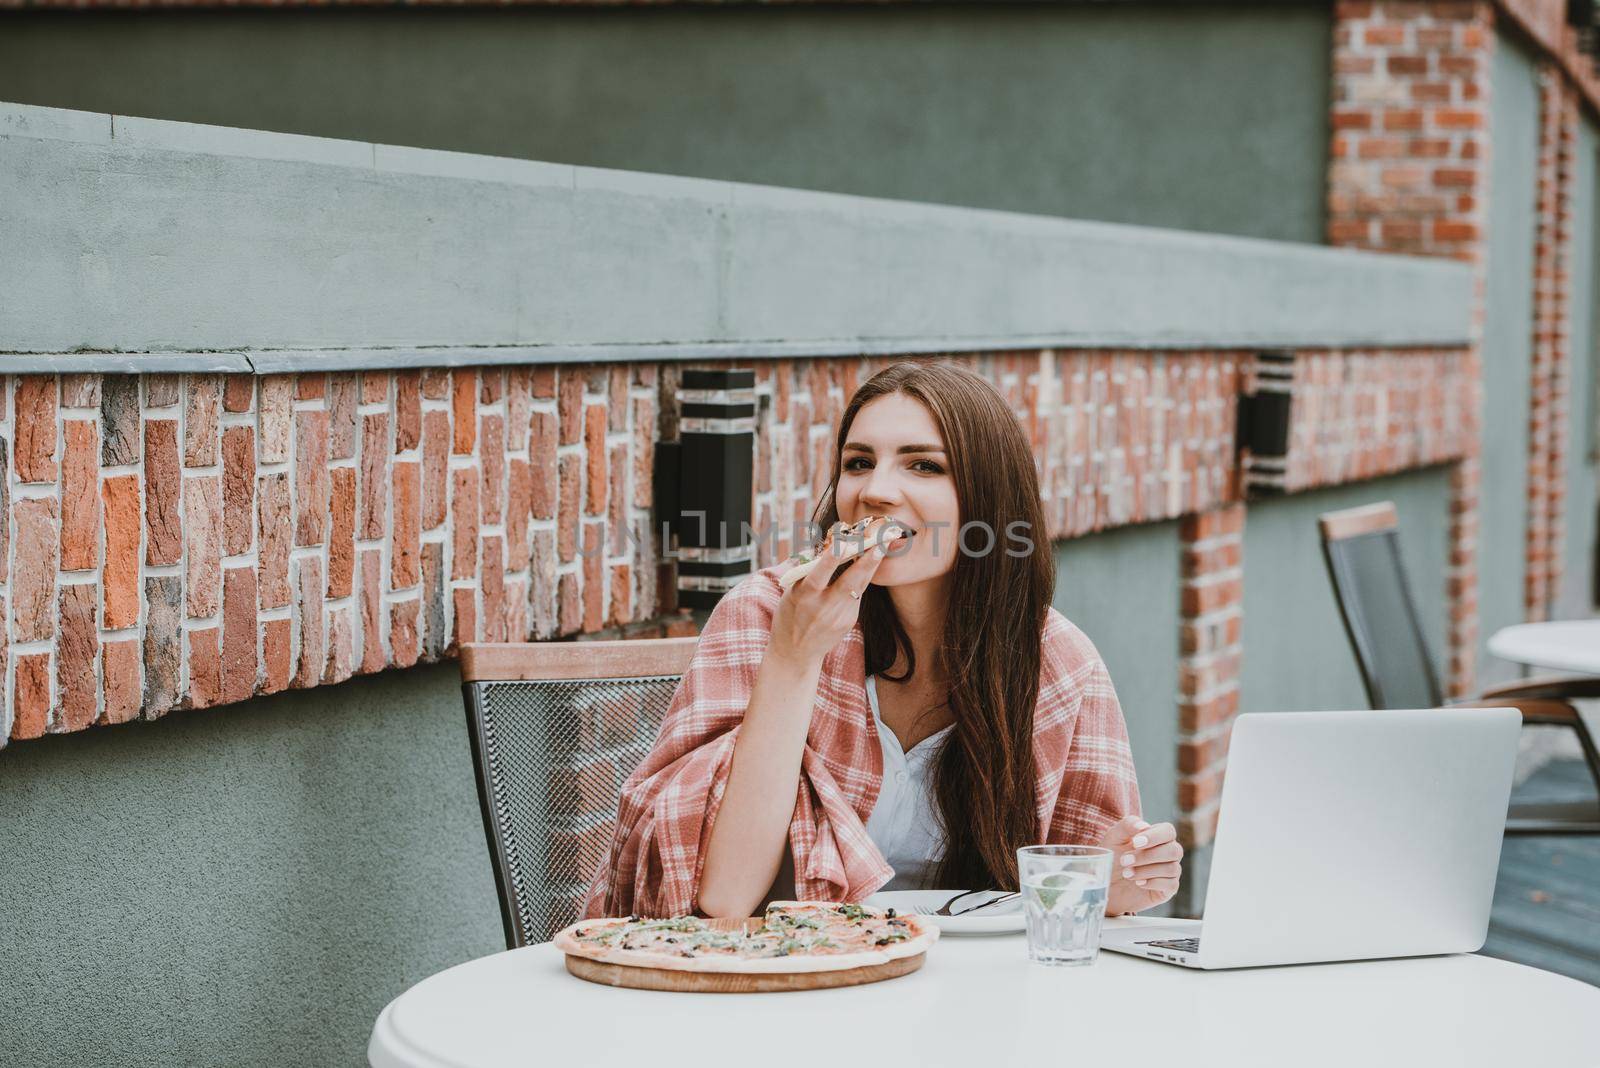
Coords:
pixel 984 778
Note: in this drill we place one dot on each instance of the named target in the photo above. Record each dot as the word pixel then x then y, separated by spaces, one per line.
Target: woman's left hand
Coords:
pixel 1144 864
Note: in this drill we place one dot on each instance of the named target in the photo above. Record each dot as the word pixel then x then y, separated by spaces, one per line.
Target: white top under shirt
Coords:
pixel 904 824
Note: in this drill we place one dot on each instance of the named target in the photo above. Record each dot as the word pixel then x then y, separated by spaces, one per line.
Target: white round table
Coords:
pixel 979 1001
pixel 1565 645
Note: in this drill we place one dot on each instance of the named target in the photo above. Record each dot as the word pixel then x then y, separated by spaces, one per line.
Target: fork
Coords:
pixel 944 910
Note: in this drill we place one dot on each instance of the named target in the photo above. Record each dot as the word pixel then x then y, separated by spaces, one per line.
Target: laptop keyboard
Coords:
pixel 1182 945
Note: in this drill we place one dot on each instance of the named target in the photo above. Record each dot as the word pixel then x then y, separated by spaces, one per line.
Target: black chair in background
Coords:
pixel 1362 550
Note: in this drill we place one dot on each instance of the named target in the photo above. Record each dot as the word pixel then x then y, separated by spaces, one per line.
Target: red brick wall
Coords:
pixel 186 541
pixel 1410 121
pixel 1410 173
pixel 1211 621
pixel 1365 414
pixel 1551 348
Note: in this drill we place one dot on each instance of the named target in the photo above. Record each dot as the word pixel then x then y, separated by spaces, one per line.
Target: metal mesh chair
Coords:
pixel 555 729
pixel 1362 550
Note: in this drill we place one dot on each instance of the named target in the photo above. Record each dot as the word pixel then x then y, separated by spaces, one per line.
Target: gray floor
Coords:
pixel 1547 899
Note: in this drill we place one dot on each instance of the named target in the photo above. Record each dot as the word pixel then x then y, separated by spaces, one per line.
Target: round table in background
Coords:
pixel 1566 645
pixel 979 1001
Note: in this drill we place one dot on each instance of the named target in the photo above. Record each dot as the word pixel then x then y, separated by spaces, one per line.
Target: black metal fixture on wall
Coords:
pixel 704 484
pixel 1584 16
pixel 1263 424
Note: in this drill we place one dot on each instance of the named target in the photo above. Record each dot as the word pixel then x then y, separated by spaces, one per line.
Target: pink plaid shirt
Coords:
pixel 669 803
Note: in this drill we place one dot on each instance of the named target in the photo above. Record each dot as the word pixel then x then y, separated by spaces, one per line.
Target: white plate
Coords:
pixel 1002 919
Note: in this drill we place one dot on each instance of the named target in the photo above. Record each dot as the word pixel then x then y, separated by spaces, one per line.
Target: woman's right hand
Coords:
pixel 814 616
pixel 751 830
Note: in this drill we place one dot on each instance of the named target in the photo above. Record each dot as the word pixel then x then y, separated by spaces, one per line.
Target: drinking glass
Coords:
pixel 1064 900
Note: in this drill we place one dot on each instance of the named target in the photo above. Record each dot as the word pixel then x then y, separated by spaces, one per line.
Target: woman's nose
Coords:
pixel 883 488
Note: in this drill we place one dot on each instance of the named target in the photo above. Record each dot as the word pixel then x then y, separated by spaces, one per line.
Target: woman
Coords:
pixel 935 657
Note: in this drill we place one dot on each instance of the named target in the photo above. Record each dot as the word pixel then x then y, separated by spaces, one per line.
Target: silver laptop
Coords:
pixel 1349 836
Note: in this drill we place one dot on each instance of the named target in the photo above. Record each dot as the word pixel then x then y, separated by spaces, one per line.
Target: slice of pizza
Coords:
pixel 856 538
pixel 854 928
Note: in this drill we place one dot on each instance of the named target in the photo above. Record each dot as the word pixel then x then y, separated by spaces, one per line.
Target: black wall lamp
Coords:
pixel 704 484
pixel 1262 432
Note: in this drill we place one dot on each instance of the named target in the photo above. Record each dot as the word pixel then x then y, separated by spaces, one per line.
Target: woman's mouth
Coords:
pixel 898 535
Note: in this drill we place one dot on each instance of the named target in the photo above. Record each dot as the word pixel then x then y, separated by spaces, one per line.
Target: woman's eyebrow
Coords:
pixel 856 446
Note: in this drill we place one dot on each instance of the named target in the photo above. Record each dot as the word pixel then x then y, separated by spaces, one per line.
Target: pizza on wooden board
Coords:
pixel 793 936
pixel 856 538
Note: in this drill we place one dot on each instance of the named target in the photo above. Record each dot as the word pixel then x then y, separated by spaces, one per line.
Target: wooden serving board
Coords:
pixel 627 975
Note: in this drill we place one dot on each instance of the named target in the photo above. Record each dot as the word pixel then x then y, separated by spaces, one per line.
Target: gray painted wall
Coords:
pixel 1576 598
pixel 1508 333
pixel 243 886
pixel 206 237
pixel 1121 589
pixel 1296 654
pixel 1206 118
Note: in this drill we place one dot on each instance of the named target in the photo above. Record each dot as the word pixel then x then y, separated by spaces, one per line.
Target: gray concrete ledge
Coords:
pixel 278 361
pixel 136 244
pixel 124 362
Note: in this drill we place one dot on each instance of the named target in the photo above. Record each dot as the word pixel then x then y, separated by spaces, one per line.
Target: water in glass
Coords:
pixel 1064 912
pixel 1064 900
